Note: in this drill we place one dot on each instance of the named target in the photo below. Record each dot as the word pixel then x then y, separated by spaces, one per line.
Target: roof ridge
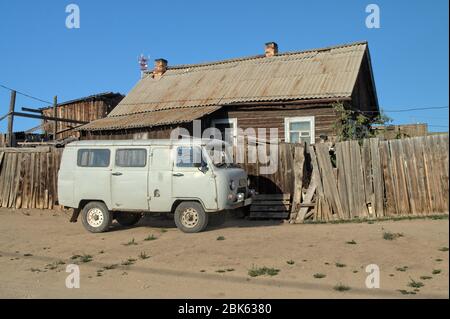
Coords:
pixel 254 57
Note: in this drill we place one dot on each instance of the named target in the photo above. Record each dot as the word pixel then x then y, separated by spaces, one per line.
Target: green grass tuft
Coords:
pixel 260 271
pixel 436 271
pixel 110 267
pixel 131 243
pixel 143 255
pixel 128 262
pixel 339 265
pixel 341 287
pixel 220 238
pixel 150 237
pixel 352 242
pixel 391 236
pixel 290 262
pixel 319 275
pixel 415 284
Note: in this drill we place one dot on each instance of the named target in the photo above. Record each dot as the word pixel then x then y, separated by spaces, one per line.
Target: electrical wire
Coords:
pixel 26 95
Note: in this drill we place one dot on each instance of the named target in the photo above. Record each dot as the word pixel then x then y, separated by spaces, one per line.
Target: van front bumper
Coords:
pixel 240 199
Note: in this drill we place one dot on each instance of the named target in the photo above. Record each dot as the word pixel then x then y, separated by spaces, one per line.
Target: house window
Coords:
pixel 299 129
pixel 228 129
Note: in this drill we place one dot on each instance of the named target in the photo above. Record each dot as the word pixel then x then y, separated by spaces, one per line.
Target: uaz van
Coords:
pixel 122 179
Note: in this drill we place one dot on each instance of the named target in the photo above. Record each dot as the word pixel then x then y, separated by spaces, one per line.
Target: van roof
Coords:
pixel 144 142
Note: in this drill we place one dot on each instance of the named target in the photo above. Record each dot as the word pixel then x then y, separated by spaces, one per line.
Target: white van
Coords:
pixel 122 179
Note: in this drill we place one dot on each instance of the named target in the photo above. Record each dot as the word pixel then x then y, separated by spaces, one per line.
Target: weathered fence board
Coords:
pixel 28 177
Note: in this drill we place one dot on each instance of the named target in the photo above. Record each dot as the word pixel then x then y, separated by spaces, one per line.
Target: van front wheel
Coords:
pixel 96 217
pixel 190 217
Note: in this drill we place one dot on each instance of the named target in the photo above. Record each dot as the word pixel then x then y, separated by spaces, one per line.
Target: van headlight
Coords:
pixel 232 185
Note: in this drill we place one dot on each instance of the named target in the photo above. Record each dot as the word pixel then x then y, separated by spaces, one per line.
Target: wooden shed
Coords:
pixel 293 92
pixel 86 109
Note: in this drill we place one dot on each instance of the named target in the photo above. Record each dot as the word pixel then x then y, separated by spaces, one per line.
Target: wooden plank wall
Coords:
pixel 283 179
pixel 3 140
pixel 28 177
pixel 382 178
pixel 82 111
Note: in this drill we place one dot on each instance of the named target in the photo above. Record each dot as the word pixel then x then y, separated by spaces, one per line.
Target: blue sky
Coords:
pixel 41 57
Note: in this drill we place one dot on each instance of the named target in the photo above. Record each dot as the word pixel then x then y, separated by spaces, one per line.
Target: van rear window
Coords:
pixel 93 157
pixel 136 157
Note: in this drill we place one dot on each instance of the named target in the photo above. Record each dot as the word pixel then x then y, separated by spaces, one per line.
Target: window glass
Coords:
pixel 293 137
pixel 135 157
pixel 189 156
pixel 93 157
pixel 300 126
pixel 300 130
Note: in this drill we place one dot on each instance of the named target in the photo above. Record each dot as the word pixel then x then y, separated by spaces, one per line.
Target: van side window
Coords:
pixel 93 157
pixel 189 156
pixel 131 157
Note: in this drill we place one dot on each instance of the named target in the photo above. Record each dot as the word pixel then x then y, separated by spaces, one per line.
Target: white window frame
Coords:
pixel 288 120
pixel 233 121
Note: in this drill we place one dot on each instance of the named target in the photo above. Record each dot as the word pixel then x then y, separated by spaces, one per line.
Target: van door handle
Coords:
pixel 116 174
pixel 177 174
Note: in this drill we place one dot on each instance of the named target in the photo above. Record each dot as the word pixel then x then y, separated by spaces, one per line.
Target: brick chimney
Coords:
pixel 271 49
pixel 160 68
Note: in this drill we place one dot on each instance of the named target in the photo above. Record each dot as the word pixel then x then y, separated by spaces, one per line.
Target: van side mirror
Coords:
pixel 203 167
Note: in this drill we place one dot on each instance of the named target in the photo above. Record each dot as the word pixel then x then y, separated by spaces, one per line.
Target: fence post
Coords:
pixel 12 105
pixel 55 123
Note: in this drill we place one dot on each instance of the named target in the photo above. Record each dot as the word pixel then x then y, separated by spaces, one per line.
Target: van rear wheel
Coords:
pixel 190 217
pixel 127 219
pixel 96 217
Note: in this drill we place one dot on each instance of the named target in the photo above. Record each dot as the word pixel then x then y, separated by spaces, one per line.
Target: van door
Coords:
pixel 92 175
pixel 160 179
pixel 129 179
pixel 188 181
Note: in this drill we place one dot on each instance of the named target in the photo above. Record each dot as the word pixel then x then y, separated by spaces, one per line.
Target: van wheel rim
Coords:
pixel 189 218
pixel 95 217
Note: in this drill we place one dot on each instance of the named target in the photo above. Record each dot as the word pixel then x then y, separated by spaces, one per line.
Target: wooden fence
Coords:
pixel 28 177
pixel 372 179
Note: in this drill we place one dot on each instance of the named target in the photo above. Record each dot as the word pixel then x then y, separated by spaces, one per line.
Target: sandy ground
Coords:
pixel 200 266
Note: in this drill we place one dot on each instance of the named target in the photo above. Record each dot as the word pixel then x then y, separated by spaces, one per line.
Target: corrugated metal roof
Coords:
pixel 313 74
pixel 149 119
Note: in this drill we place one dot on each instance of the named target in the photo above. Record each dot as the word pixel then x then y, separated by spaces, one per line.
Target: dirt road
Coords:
pixel 155 260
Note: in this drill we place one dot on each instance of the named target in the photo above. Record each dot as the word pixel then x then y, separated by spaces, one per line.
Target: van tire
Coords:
pixel 127 219
pixel 190 217
pixel 96 217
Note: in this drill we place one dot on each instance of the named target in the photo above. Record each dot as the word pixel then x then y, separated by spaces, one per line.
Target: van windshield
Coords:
pixel 220 155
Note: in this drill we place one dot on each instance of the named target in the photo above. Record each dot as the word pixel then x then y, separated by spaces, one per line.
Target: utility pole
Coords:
pixel 12 105
pixel 55 123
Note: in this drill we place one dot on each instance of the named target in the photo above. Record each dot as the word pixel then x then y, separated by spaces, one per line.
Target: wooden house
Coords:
pixel 293 92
